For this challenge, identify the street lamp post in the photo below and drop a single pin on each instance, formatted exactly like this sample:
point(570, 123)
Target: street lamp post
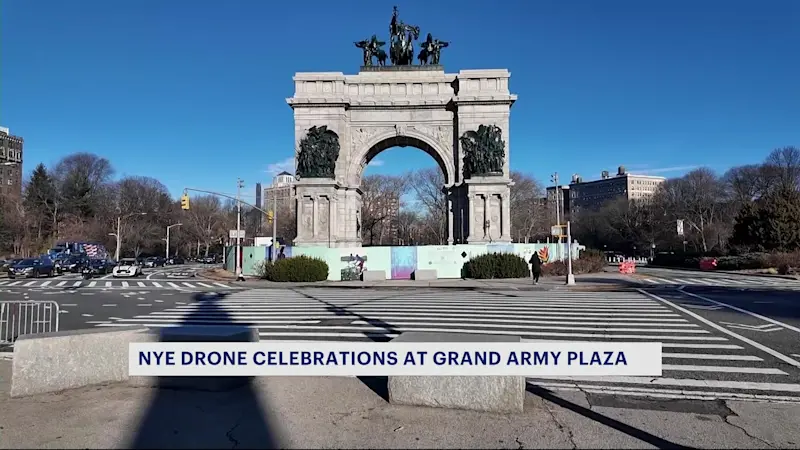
point(118, 234)
point(168, 228)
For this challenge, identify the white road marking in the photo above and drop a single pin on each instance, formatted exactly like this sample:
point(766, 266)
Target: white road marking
point(173, 285)
point(3, 282)
point(728, 369)
point(92, 284)
point(188, 285)
point(86, 315)
point(755, 344)
point(221, 285)
point(159, 301)
point(109, 284)
point(689, 382)
point(63, 311)
point(750, 313)
point(703, 307)
point(110, 305)
point(61, 283)
point(45, 283)
point(711, 356)
point(78, 283)
point(205, 285)
point(141, 284)
point(156, 284)
point(98, 321)
point(651, 281)
point(124, 284)
point(30, 283)
point(766, 328)
point(14, 283)
point(144, 304)
point(69, 304)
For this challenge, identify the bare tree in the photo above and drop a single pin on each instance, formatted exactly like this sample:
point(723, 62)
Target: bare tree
point(528, 211)
point(81, 179)
point(380, 203)
point(783, 165)
point(205, 221)
point(699, 199)
point(148, 197)
point(430, 200)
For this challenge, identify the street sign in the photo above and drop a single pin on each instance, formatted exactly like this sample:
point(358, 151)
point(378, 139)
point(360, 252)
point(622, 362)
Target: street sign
point(556, 230)
point(679, 225)
point(232, 234)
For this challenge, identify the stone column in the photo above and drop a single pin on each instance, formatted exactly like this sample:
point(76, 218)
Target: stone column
point(314, 217)
point(471, 218)
point(449, 220)
point(487, 217)
point(333, 223)
point(505, 202)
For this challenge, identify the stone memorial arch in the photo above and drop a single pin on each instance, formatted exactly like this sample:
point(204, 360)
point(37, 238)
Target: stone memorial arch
point(344, 121)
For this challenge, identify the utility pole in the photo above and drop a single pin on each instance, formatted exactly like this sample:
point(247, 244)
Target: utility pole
point(168, 228)
point(570, 276)
point(274, 223)
point(238, 263)
point(554, 179)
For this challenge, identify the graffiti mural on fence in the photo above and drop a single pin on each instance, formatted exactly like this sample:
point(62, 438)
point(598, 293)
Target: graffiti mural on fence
point(404, 262)
point(544, 255)
point(354, 266)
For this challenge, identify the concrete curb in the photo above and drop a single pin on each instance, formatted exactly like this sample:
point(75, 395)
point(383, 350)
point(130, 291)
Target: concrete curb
point(727, 272)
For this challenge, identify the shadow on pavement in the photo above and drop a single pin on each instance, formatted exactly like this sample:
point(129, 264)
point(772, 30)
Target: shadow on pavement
point(209, 418)
point(774, 303)
point(634, 432)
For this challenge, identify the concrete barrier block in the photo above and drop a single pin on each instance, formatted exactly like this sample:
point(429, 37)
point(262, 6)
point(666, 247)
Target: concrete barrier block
point(51, 362)
point(373, 275)
point(424, 274)
point(192, 333)
point(478, 393)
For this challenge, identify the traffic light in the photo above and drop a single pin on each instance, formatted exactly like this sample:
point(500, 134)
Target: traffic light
point(185, 201)
point(270, 216)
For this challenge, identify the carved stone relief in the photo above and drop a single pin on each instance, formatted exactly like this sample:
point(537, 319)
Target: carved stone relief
point(441, 134)
point(308, 216)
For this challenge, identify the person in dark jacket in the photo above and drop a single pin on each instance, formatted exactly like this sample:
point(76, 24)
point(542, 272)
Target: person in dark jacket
point(536, 267)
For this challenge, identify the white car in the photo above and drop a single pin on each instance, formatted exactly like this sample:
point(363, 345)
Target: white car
point(127, 268)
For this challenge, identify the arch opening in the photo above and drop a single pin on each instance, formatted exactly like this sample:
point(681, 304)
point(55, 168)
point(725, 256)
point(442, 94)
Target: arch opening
point(403, 141)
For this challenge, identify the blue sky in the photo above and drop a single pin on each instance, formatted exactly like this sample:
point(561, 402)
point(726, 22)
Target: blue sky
point(192, 92)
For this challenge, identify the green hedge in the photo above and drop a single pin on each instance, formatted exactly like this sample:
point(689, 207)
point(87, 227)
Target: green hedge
point(749, 261)
point(295, 269)
point(590, 261)
point(496, 265)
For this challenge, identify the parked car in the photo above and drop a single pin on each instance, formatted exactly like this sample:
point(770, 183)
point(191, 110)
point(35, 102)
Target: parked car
point(155, 261)
point(32, 268)
point(100, 266)
point(175, 260)
point(74, 264)
point(127, 267)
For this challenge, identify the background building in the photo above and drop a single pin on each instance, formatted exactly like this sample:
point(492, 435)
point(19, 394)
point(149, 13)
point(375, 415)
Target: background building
point(280, 191)
point(581, 196)
point(10, 163)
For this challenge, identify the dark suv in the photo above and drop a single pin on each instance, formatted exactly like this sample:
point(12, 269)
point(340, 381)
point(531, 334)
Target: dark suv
point(32, 268)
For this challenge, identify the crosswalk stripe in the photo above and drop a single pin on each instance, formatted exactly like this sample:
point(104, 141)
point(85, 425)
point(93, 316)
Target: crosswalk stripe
point(91, 284)
point(29, 283)
point(711, 356)
point(109, 284)
point(61, 283)
point(141, 284)
point(205, 285)
point(173, 285)
point(3, 283)
point(728, 369)
point(189, 285)
point(78, 283)
point(689, 382)
point(124, 284)
point(651, 281)
point(45, 283)
point(220, 285)
point(158, 285)
point(321, 313)
point(14, 283)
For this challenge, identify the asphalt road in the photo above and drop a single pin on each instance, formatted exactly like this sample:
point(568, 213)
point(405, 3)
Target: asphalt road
point(703, 359)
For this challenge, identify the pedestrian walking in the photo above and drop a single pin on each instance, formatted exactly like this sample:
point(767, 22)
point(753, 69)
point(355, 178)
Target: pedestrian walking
point(536, 267)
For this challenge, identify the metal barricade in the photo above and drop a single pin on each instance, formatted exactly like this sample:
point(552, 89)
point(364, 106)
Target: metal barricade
point(18, 318)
